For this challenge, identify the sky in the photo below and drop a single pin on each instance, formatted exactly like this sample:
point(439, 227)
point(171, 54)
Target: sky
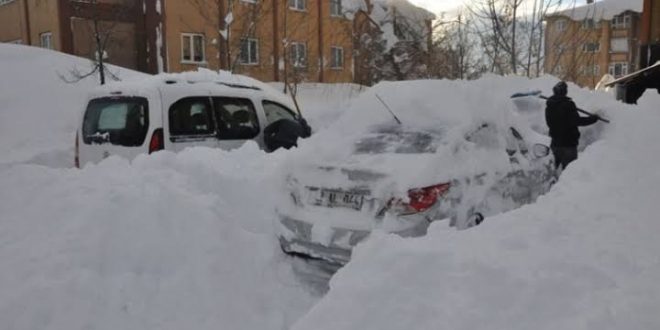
point(438, 6)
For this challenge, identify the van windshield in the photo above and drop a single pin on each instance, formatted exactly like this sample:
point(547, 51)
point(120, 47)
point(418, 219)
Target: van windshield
point(116, 120)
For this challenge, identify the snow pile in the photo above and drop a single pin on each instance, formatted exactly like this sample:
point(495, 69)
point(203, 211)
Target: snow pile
point(322, 104)
point(169, 241)
point(583, 257)
point(37, 108)
point(602, 10)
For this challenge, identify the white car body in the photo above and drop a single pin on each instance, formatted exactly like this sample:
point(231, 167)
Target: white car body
point(152, 102)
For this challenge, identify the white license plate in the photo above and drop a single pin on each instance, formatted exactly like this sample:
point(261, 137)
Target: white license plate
point(336, 198)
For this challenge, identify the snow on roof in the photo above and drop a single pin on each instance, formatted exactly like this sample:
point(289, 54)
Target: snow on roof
point(602, 10)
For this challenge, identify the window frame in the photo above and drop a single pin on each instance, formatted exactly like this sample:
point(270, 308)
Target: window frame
point(250, 42)
point(265, 102)
point(587, 45)
point(251, 105)
point(49, 37)
point(185, 137)
point(336, 8)
point(624, 68)
point(295, 56)
point(144, 130)
point(191, 46)
point(560, 25)
point(298, 5)
point(334, 64)
point(626, 42)
point(621, 22)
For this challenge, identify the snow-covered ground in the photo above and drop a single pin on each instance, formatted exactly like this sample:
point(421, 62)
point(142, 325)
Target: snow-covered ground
point(186, 240)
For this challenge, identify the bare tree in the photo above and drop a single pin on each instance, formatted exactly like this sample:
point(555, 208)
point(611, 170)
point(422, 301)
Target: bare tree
point(103, 33)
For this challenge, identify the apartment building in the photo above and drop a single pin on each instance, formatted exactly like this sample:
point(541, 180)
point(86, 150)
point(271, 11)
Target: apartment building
point(583, 44)
point(650, 34)
point(271, 40)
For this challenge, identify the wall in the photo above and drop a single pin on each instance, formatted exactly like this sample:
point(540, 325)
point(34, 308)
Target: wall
point(44, 17)
point(12, 22)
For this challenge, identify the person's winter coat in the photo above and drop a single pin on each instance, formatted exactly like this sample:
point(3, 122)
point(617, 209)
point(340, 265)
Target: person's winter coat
point(563, 119)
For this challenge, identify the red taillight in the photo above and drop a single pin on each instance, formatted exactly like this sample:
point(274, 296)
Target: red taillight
point(76, 158)
point(421, 199)
point(156, 142)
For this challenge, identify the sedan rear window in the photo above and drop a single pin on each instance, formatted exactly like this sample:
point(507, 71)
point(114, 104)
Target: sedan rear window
point(399, 141)
point(116, 120)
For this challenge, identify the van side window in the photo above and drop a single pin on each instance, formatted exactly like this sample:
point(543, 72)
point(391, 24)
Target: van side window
point(116, 120)
point(191, 116)
point(236, 117)
point(275, 112)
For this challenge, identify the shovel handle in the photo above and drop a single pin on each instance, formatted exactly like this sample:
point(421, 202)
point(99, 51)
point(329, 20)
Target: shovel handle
point(583, 111)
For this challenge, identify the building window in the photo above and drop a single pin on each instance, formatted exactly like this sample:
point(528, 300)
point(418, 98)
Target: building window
point(192, 48)
point(619, 45)
point(589, 23)
point(591, 47)
point(560, 25)
point(591, 70)
point(618, 69)
point(4, 2)
point(335, 8)
point(298, 54)
point(46, 40)
point(298, 4)
point(621, 21)
point(249, 51)
point(337, 58)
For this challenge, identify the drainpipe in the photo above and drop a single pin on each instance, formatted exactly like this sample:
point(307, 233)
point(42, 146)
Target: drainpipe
point(276, 41)
point(321, 59)
point(27, 22)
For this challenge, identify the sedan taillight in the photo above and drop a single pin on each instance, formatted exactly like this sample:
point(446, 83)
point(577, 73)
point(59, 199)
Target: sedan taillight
point(420, 199)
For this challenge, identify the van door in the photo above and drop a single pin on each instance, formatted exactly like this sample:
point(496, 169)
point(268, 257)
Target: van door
point(237, 121)
point(114, 125)
point(191, 122)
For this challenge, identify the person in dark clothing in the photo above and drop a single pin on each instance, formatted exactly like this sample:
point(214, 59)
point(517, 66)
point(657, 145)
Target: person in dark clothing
point(563, 119)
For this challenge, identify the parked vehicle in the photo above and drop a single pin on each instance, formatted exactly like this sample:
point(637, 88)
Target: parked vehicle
point(135, 118)
point(400, 178)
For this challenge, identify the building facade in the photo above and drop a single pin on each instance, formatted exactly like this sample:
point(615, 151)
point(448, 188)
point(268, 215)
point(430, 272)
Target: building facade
point(583, 44)
point(650, 34)
point(270, 40)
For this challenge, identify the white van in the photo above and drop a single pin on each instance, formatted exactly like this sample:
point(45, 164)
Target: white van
point(135, 118)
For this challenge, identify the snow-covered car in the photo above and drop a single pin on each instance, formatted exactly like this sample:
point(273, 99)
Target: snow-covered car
point(400, 178)
point(170, 113)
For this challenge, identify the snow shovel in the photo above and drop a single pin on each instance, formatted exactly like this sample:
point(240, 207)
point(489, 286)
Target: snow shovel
point(538, 94)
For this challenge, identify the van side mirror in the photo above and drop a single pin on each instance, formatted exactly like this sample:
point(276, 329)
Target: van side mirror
point(283, 133)
point(540, 150)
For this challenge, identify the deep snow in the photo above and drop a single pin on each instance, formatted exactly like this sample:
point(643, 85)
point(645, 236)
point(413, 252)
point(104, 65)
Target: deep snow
point(186, 240)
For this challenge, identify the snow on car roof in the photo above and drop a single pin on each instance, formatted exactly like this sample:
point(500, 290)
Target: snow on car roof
point(222, 82)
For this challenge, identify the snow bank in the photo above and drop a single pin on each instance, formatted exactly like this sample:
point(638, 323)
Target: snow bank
point(37, 108)
point(322, 104)
point(583, 257)
point(169, 241)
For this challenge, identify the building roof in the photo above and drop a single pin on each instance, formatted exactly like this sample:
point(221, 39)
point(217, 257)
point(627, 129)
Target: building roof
point(602, 10)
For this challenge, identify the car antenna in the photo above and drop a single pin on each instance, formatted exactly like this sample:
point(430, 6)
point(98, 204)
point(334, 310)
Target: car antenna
point(388, 109)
